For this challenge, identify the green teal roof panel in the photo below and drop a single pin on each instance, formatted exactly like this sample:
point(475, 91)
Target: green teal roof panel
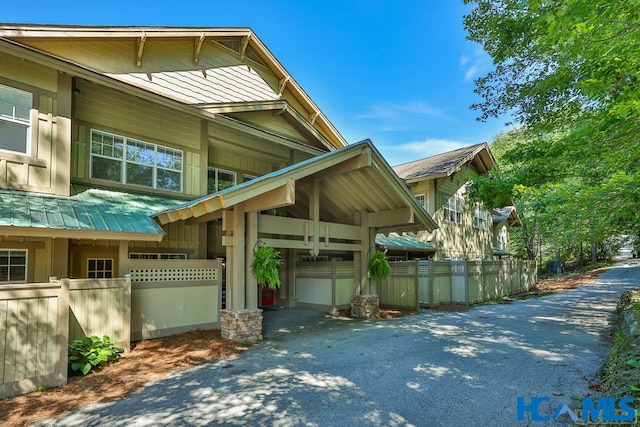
point(498, 251)
point(395, 241)
point(90, 210)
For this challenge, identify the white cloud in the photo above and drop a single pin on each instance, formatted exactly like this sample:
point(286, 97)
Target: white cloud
point(472, 71)
point(428, 147)
point(401, 117)
point(463, 60)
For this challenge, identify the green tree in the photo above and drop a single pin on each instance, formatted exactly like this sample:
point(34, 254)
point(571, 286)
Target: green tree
point(568, 71)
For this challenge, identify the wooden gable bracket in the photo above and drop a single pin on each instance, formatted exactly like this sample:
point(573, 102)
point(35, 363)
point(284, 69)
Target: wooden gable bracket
point(197, 46)
point(243, 47)
point(140, 49)
point(283, 85)
point(314, 116)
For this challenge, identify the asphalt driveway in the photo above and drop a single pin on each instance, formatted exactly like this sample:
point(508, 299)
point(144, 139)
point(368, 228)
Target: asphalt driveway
point(433, 369)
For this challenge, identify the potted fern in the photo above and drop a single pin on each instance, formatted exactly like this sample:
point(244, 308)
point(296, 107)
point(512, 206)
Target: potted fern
point(265, 266)
point(379, 267)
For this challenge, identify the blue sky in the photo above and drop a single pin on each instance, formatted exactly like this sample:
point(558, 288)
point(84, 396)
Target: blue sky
point(398, 72)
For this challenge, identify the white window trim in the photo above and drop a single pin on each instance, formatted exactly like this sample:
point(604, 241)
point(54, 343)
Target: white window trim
point(26, 265)
point(453, 205)
point(25, 123)
point(480, 215)
point(217, 171)
point(124, 161)
point(425, 202)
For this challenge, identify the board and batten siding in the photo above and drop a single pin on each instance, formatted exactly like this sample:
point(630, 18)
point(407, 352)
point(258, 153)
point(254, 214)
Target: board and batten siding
point(122, 114)
point(45, 170)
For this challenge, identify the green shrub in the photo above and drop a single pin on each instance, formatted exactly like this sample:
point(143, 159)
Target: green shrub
point(92, 352)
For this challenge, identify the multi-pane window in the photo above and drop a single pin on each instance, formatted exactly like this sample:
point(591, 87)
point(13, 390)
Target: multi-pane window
point(157, 256)
point(453, 210)
point(480, 217)
point(13, 266)
point(15, 122)
point(422, 200)
point(219, 179)
point(100, 268)
point(130, 161)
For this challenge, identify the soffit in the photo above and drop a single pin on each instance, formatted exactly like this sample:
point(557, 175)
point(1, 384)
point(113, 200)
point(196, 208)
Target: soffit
point(351, 179)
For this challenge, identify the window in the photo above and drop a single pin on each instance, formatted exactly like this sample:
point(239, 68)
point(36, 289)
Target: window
point(453, 210)
point(480, 217)
point(13, 266)
point(219, 179)
point(129, 161)
point(422, 200)
point(246, 177)
point(98, 268)
point(157, 256)
point(15, 122)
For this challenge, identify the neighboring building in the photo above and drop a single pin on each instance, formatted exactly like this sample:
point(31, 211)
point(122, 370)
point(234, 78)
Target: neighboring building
point(128, 143)
point(466, 230)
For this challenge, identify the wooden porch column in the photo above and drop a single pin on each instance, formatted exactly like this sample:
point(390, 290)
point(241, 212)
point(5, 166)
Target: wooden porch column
point(123, 257)
point(251, 288)
point(236, 286)
point(361, 259)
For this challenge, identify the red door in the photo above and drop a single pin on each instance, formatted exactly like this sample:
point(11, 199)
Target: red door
point(267, 297)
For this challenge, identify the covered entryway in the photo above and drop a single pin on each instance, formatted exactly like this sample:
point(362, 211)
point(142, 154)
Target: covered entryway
point(332, 205)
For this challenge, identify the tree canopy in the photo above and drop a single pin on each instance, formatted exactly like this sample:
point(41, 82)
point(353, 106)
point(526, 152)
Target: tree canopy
point(568, 73)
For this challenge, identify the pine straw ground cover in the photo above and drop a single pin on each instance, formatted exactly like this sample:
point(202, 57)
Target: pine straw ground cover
point(152, 360)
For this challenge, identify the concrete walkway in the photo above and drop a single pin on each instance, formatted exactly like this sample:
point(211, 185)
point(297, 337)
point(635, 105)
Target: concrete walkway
point(433, 369)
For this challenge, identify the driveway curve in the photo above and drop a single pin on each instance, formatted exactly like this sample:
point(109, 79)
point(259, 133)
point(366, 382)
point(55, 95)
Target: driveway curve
point(433, 369)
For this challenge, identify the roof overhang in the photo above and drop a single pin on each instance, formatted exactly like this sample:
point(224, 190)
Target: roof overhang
point(141, 35)
point(391, 207)
point(403, 242)
point(66, 233)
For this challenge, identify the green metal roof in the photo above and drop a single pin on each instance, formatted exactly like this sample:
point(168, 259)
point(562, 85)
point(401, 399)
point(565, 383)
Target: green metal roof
point(395, 241)
point(90, 210)
point(498, 251)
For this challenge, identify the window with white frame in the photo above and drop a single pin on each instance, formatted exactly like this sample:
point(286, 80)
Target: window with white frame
point(480, 217)
point(219, 179)
point(422, 200)
point(247, 177)
point(15, 121)
point(100, 268)
point(453, 210)
point(130, 161)
point(503, 236)
point(13, 266)
point(157, 256)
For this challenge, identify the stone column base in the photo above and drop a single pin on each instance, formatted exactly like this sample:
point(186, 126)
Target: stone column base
point(241, 325)
point(365, 306)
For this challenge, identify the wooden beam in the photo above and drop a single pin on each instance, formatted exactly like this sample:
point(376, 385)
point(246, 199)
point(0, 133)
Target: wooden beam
point(360, 161)
point(299, 244)
point(140, 49)
point(283, 84)
point(295, 227)
point(314, 215)
point(197, 46)
point(237, 285)
point(213, 216)
point(251, 284)
point(276, 198)
point(390, 218)
point(245, 44)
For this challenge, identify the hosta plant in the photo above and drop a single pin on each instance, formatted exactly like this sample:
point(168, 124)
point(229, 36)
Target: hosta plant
point(88, 353)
